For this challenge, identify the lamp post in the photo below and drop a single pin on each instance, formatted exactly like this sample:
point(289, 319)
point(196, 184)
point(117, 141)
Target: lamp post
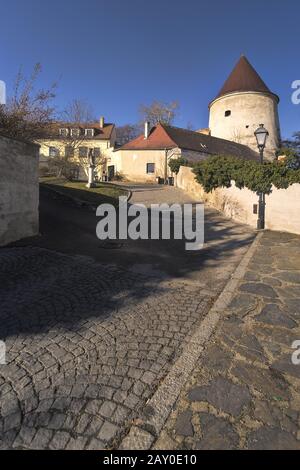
point(261, 135)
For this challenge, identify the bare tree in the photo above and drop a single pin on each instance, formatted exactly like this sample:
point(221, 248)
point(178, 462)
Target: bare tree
point(190, 126)
point(159, 112)
point(126, 133)
point(29, 112)
point(75, 118)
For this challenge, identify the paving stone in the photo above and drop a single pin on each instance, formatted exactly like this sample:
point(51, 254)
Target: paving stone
point(223, 394)
point(108, 432)
point(273, 315)
point(83, 422)
point(59, 440)
point(259, 288)
point(285, 365)
point(57, 421)
point(25, 436)
point(41, 439)
point(263, 412)
point(96, 444)
point(106, 410)
point(216, 358)
point(184, 425)
point(249, 347)
point(242, 301)
point(12, 421)
point(267, 438)
point(93, 426)
point(77, 443)
point(218, 434)
point(289, 276)
point(137, 439)
point(263, 380)
point(148, 377)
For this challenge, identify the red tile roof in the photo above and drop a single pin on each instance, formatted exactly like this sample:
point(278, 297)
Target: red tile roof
point(165, 137)
point(158, 139)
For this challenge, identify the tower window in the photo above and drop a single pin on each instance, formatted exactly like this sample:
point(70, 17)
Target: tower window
point(247, 127)
point(227, 113)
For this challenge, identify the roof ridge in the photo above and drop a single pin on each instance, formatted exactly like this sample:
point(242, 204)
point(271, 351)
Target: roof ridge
point(242, 78)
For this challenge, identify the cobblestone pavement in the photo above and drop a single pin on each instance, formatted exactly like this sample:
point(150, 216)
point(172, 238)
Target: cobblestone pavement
point(245, 390)
point(86, 345)
point(88, 342)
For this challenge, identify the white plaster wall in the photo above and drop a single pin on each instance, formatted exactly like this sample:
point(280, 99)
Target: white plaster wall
point(19, 190)
point(132, 164)
point(282, 205)
point(247, 109)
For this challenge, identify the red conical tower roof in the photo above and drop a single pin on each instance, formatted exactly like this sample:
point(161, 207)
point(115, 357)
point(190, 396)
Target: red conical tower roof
point(243, 78)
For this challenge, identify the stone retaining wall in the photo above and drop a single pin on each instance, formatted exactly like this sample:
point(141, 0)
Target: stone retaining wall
point(19, 190)
point(282, 205)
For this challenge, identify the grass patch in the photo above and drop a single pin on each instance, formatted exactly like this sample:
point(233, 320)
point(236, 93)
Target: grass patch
point(102, 192)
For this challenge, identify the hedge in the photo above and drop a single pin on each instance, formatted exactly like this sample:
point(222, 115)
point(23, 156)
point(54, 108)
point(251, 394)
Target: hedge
point(219, 171)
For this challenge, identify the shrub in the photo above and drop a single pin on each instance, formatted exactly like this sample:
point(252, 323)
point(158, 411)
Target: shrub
point(218, 171)
point(176, 163)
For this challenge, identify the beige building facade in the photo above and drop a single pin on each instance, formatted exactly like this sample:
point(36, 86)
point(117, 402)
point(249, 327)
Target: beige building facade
point(74, 141)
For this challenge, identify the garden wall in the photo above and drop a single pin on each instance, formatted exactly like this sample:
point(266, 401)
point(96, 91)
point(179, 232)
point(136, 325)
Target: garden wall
point(19, 190)
point(282, 205)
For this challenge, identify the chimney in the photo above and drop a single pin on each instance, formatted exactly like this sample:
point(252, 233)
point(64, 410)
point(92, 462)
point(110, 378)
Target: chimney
point(101, 122)
point(147, 130)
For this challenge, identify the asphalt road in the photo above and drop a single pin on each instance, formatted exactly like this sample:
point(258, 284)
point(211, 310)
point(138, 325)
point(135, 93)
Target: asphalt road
point(70, 229)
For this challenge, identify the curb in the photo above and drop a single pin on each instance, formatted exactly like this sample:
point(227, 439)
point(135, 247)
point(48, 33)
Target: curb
point(79, 202)
point(157, 410)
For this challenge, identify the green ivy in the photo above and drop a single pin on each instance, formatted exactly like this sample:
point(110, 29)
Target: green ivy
point(218, 171)
point(176, 163)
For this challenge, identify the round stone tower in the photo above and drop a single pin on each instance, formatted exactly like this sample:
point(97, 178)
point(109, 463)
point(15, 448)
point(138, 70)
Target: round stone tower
point(242, 105)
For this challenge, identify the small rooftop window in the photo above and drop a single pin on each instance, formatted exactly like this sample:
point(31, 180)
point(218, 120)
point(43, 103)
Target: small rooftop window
point(75, 132)
point(89, 132)
point(63, 132)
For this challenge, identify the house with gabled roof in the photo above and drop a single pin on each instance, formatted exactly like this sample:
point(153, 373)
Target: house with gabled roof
point(146, 158)
point(73, 140)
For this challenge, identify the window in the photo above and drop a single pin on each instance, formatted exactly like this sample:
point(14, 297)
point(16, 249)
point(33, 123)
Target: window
point(75, 132)
point(69, 151)
point(89, 132)
point(83, 152)
point(227, 113)
point(63, 132)
point(53, 152)
point(150, 167)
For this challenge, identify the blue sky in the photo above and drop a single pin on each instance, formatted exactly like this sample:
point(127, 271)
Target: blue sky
point(117, 54)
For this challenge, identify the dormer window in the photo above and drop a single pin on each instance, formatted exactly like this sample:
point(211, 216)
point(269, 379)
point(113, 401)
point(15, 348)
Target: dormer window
point(75, 132)
point(89, 132)
point(63, 132)
point(227, 113)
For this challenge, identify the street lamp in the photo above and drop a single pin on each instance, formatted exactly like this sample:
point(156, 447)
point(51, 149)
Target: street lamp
point(261, 135)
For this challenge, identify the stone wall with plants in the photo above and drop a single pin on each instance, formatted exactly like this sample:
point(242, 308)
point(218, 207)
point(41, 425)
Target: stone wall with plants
point(231, 185)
